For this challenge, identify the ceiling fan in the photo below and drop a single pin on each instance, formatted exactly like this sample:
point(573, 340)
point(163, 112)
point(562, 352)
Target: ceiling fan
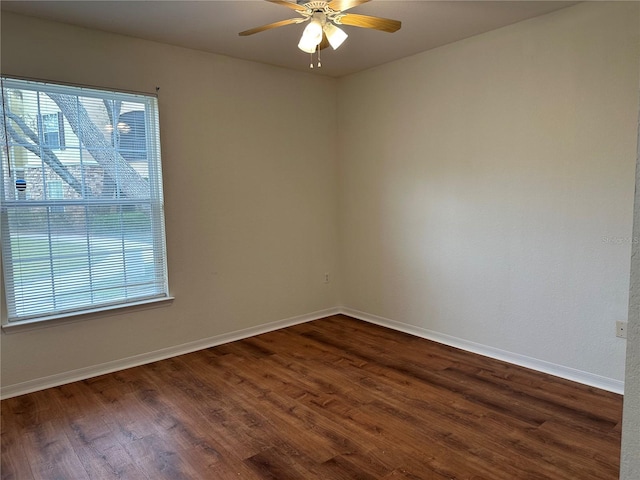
point(323, 17)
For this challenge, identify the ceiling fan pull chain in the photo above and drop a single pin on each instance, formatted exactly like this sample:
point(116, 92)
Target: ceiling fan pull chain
point(311, 62)
point(319, 62)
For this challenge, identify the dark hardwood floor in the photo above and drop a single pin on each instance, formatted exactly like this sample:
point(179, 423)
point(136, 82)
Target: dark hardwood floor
point(331, 399)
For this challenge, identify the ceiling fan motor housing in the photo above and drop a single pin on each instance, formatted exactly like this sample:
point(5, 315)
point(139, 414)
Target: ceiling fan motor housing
point(314, 4)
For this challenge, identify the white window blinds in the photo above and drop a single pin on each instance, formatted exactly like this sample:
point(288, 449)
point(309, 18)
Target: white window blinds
point(82, 222)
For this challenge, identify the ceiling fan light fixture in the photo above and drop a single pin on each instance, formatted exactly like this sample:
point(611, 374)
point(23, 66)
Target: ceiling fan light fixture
point(306, 45)
point(335, 35)
point(323, 17)
point(311, 36)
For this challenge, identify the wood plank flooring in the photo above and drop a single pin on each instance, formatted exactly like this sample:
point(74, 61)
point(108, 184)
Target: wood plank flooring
point(331, 399)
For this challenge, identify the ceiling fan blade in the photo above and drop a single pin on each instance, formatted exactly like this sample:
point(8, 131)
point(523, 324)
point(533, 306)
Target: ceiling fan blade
point(292, 5)
point(342, 5)
point(281, 23)
point(365, 21)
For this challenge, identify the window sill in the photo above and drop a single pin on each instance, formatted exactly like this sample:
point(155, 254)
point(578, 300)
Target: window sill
point(55, 320)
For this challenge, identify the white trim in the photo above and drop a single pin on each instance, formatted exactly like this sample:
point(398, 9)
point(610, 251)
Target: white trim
point(85, 87)
point(149, 357)
point(561, 371)
point(72, 317)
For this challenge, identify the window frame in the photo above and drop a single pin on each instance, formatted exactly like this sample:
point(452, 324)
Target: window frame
point(59, 131)
point(155, 203)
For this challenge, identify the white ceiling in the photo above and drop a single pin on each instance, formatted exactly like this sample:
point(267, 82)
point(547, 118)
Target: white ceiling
point(213, 26)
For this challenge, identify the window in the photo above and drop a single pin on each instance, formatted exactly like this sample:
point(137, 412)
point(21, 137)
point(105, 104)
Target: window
point(82, 227)
point(55, 192)
point(52, 126)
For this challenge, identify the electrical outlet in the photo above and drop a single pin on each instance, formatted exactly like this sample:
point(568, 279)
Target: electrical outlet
point(621, 329)
point(326, 277)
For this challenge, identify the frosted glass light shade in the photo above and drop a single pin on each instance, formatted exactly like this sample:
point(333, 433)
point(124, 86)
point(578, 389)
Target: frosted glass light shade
point(311, 37)
point(335, 35)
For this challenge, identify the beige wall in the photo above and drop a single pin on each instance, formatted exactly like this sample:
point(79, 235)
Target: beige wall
point(484, 191)
point(486, 187)
point(250, 202)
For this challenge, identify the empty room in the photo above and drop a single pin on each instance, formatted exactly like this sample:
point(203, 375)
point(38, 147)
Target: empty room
point(348, 239)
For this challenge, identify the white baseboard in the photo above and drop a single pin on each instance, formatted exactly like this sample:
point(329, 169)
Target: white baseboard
point(149, 357)
point(561, 371)
point(568, 373)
